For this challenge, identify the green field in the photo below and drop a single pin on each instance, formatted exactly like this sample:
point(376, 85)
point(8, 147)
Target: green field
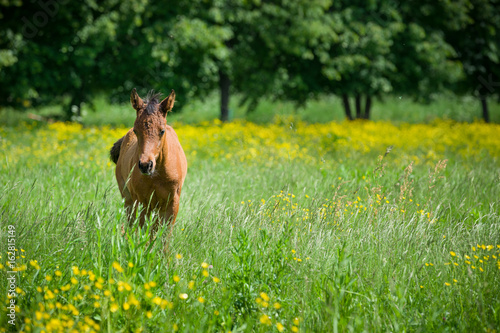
point(283, 226)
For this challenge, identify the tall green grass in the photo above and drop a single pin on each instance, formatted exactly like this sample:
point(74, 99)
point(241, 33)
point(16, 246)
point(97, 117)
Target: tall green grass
point(357, 246)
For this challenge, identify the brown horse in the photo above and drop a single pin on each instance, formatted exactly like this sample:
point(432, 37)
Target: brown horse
point(150, 163)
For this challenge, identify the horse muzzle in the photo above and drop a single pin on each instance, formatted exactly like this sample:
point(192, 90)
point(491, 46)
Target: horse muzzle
point(146, 168)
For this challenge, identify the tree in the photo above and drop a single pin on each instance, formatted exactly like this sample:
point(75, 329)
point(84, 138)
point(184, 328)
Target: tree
point(67, 49)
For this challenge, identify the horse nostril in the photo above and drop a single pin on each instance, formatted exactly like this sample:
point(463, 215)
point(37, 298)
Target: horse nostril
point(145, 167)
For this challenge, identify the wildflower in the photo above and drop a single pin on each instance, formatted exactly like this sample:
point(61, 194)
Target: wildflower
point(204, 265)
point(280, 327)
point(58, 273)
point(277, 306)
point(201, 299)
point(176, 278)
point(205, 273)
point(453, 254)
point(117, 266)
point(176, 327)
point(178, 256)
point(265, 320)
point(149, 314)
point(216, 279)
point(296, 321)
point(114, 307)
point(130, 264)
point(295, 329)
point(447, 284)
point(264, 296)
point(126, 306)
point(183, 296)
point(216, 312)
point(48, 278)
point(191, 284)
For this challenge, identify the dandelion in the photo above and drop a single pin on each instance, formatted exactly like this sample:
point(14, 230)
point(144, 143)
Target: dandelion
point(216, 312)
point(204, 265)
point(130, 264)
point(265, 320)
point(191, 284)
point(114, 307)
point(178, 256)
point(295, 329)
point(183, 296)
point(176, 278)
point(453, 254)
point(280, 327)
point(205, 273)
point(264, 296)
point(201, 300)
point(48, 278)
point(149, 314)
point(296, 321)
point(58, 273)
point(126, 306)
point(277, 306)
point(216, 279)
point(175, 327)
point(117, 266)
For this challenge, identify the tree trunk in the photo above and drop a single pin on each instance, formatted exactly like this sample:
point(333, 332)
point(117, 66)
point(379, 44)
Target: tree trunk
point(224, 84)
point(368, 106)
point(358, 106)
point(484, 106)
point(347, 107)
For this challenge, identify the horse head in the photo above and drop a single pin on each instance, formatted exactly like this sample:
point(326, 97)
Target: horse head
point(149, 127)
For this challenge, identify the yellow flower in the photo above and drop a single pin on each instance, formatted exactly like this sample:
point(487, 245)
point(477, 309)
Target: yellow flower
point(216, 312)
point(295, 329)
point(205, 273)
point(216, 279)
point(453, 254)
point(280, 327)
point(130, 264)
point(191, 284)
point(447, 284)
point(296, 321)
point(201, 299)
point(149, 314)
point(96, 304)
point(277, 306)
point(204, 265)
point(178, 256)
point(175, 327)
point(58, 273)
point(114, 307)
point(126, 306)
point(48, 278)
point(265, 320)
point(117, 266)
point(176, 278)
point(264, 296)
point(183, 296)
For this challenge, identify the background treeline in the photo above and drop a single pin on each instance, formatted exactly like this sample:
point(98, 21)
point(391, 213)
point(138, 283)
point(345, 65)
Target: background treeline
point(66, 52)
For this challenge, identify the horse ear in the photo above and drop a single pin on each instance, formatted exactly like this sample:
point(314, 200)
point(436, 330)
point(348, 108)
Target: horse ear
point(135, 100)
point(168, 103)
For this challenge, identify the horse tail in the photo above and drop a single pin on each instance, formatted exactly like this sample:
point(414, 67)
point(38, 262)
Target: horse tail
point(114, 152)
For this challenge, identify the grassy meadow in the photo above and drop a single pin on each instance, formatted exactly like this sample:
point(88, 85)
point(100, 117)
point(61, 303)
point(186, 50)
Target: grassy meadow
point(284, 226)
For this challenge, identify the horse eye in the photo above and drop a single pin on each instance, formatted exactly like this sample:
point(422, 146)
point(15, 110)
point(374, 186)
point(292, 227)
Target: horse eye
point(135, 132)
point(162, 132)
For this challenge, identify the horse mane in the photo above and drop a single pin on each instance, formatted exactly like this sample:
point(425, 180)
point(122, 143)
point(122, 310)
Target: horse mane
point(151, 100)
